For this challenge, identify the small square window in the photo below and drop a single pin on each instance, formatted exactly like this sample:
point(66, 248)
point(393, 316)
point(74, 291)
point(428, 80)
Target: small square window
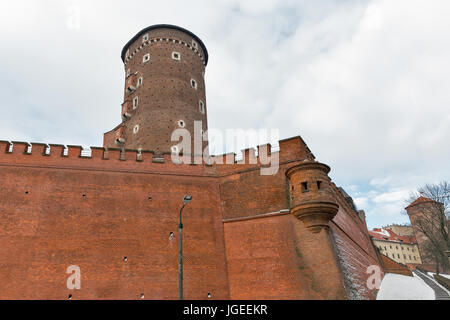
point(176, 56)
point(145, 37)
point(146, 58)
point(135, 102)
point(202, 107)
point(193, 84)
point(305, 187)
point(194, 44)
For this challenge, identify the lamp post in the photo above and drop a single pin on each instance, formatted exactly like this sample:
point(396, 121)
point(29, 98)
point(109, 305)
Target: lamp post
point(186, 200)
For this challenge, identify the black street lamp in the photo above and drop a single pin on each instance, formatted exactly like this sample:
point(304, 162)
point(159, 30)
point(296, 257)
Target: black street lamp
point(186, 200)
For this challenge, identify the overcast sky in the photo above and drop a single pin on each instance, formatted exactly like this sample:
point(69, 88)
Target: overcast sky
point(364, 82)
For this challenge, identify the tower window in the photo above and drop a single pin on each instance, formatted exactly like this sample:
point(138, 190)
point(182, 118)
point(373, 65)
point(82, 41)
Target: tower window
point(319, 185)
point(145, 37)
point(139, 82)
point(193, 84)
point(176, 56)
point(181, 124)
point(135, 102)
point(202, 107)
point(146, 58)
point(136, 129)
point(194, 44)
point(305, 187)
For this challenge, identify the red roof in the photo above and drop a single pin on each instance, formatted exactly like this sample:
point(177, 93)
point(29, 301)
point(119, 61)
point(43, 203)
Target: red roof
point(421, 199)
point(389, 235)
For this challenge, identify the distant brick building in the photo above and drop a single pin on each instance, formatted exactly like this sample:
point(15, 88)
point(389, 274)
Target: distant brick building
point(113, 211)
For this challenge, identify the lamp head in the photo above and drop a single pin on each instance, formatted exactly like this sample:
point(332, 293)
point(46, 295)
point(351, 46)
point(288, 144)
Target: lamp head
point(187, 199)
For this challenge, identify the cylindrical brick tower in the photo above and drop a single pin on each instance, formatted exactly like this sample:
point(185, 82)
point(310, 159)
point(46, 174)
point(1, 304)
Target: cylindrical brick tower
point(164, 89)
point(312, 199)
point(313, 203)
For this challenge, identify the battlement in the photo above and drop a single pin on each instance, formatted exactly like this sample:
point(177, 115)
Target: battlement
point(262, 157)
point(150, 40)
point(289, 150)
point(18, 153)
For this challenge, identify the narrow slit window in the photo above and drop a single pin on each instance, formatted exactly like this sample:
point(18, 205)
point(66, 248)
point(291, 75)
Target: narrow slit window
point(139, 82)
point(146, 58)
point(319, 185)
point(135, 102)
point(202, 107)
point(193, 84)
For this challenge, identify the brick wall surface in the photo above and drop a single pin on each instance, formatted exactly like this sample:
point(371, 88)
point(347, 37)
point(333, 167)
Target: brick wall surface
point(92, 212)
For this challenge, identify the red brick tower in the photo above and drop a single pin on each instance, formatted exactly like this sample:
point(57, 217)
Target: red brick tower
point(313, 203)
point(164, 89)
point(311, 198)
point(423, 211)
